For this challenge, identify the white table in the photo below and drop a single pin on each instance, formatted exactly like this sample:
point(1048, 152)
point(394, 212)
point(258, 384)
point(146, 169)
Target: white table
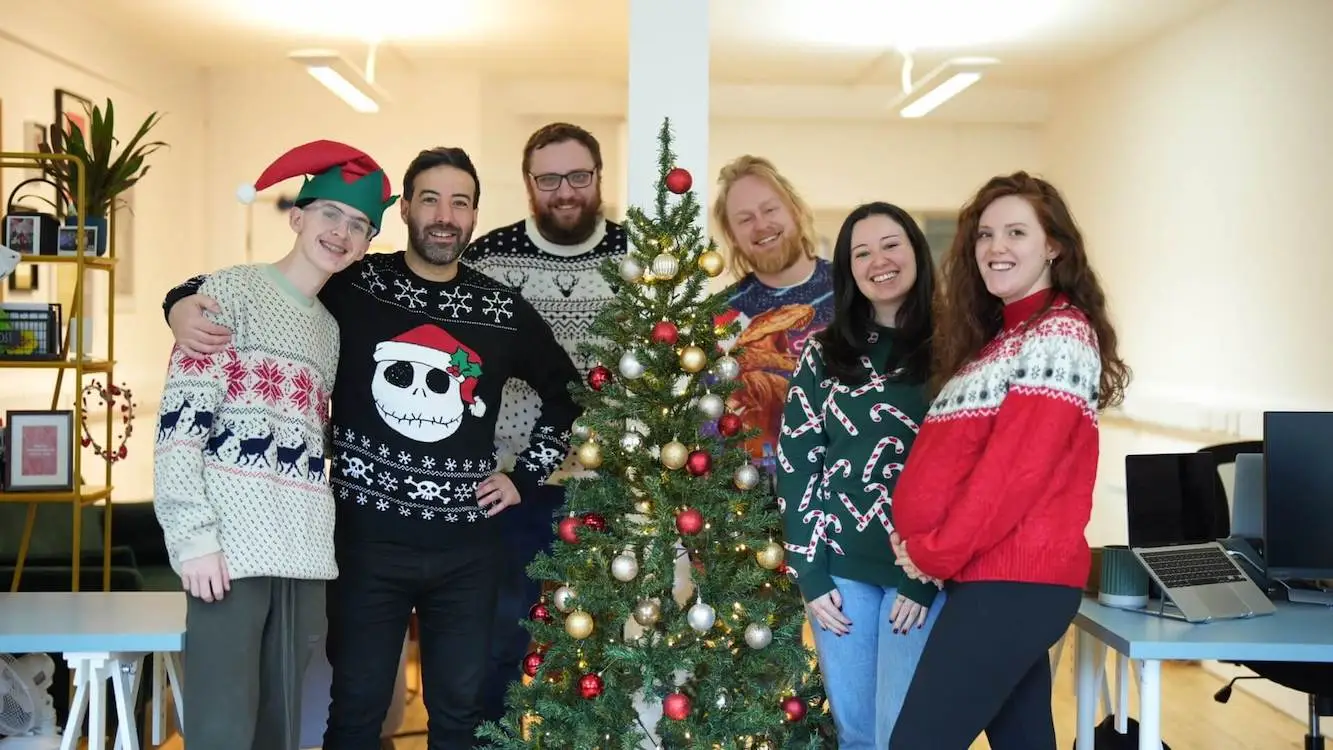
point(1296, 632)
point(103, 636)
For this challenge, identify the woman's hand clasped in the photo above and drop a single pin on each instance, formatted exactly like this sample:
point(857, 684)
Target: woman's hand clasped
point(827, 611)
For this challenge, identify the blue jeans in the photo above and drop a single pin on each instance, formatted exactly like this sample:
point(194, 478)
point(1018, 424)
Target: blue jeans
point(867, 672)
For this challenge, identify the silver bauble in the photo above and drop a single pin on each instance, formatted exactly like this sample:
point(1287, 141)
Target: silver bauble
point(757, 635)
point(747, 476)
point(727, 368)
point(630, 366)
point(647, 612)
point(624, 567)
point(631, 441)
point(563, 598)
point(711, 405)
point(665, 266)
point(631, 269)
point(580, 430)
point(701, 617)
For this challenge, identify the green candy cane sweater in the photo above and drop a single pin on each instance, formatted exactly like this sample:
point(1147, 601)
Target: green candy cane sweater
point(841, 450)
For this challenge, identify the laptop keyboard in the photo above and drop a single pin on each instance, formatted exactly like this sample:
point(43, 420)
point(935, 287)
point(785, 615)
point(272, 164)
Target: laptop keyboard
point(1192, 567)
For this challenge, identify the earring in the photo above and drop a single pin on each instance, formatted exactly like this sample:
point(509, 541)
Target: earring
point(1049, 261)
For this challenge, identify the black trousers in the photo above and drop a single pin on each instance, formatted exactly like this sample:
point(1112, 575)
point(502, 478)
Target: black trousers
point(986, 668)
point(378, 586)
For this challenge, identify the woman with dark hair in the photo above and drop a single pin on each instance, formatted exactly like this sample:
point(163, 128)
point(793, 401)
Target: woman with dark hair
point(998, 489)
point(850, 416)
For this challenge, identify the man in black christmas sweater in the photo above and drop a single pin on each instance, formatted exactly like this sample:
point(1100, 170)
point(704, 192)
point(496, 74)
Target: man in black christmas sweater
point(553, 259)
point(427, 347)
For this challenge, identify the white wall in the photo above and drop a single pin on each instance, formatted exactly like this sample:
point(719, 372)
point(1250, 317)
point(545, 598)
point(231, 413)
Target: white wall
point(1200, 168)
point(39, 52)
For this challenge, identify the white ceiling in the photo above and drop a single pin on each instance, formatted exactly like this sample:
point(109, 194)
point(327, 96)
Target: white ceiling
point(790, 42)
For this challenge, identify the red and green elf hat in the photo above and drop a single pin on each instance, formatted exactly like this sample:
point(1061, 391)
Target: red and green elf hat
point(333, 171)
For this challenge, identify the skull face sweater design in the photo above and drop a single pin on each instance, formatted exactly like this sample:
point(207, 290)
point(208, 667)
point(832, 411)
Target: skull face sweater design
point(239, 454)
point(999, 484)
point(838, 460)
point(420, 377)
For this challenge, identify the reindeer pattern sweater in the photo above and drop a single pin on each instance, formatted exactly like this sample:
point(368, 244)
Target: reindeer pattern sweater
point(239, 459)
point(998, 486)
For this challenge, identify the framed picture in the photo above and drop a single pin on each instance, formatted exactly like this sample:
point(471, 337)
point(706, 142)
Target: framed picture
point(39, 451)
point(68, 237)
point(23, 234)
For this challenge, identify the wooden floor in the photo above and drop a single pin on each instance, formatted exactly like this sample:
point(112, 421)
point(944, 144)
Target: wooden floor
point(1191, 719)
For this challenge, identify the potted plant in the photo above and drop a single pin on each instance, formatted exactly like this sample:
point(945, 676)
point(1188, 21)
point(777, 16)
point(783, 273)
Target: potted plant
point(106, 174)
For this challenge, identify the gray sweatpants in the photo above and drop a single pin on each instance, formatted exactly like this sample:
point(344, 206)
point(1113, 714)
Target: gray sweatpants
point(244, 660)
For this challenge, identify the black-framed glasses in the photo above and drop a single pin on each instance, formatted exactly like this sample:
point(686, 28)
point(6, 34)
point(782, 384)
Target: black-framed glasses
point(550, 182)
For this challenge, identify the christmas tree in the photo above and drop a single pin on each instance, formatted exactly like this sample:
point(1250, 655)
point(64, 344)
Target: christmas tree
point(671, 622)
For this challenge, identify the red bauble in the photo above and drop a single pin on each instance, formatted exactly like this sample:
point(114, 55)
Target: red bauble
point(540, 613)
point(590, 686)
point(664, 332)
point(678, 181)
point(569, 529)
point(599, 377)
point(531, 663)
point(689, 521)
point(729, 424)
point(794, 708)
point(594, 521)
point(676, 706)
point(699, 463)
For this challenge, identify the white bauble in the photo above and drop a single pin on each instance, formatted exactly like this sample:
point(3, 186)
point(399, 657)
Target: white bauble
point(701, 617)
point(747, 476)
point(711, 405)
point(630, 366)
point(624, 567)
point(563, 598)
point(631, 441)
point(758, 635)
point(665, 266)
point(727, 368)
point(631, 269)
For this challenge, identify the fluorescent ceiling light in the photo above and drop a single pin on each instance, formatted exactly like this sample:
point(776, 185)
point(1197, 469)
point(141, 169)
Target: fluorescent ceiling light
point(353, 86)
point(940, 85)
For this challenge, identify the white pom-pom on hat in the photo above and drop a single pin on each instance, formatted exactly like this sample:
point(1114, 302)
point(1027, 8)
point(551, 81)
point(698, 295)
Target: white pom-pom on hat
point(246, 193)
point(477, 407)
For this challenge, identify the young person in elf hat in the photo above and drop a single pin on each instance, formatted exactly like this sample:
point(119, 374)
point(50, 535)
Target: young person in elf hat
point(998, 490)
point(850, 419)
point(240, 490)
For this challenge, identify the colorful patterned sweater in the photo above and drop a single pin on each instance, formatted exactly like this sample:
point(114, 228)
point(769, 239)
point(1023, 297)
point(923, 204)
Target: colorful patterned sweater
point(421, 369)
point(565, 285)
point(999, 484)
point(841, 451)
point(239, 464)
point(775, 324)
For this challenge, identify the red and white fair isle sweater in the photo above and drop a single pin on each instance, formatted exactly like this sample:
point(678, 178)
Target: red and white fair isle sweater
point(998, 486)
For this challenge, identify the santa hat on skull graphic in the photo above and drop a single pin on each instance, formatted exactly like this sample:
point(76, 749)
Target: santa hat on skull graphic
point(435, 347)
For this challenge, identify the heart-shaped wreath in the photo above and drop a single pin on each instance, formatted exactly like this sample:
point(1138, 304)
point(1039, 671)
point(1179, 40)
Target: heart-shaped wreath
point(116, 395)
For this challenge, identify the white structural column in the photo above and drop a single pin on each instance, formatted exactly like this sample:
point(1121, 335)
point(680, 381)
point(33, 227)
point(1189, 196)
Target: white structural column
point(668, 77)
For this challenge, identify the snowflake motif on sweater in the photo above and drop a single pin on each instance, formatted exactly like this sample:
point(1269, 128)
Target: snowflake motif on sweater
point(565, 285)
point(240, 448)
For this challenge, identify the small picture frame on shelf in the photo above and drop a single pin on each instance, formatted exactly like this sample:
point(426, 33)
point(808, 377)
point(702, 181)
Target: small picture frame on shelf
point(68, 237)
point(39, 451)
point(23, 233)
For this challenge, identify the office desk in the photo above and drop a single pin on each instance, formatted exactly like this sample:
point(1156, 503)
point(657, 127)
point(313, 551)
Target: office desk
point(102, 635)
point(1296, 632)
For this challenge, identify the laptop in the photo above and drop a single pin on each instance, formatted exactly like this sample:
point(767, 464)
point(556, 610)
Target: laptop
point(1175, 518)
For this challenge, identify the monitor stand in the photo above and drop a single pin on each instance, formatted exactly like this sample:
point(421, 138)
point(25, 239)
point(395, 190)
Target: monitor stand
point(1307, 592)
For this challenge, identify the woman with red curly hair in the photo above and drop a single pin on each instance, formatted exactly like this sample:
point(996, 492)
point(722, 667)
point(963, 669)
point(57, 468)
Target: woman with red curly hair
point(998, 487)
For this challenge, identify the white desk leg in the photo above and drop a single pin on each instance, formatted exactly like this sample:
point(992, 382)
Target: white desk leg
point(124, 671)
point(78, 707)
point(173, 661)
point(1085, 677)
point(159, 711)
point(92, 669)
point(1122, 680)
point(1150, 705)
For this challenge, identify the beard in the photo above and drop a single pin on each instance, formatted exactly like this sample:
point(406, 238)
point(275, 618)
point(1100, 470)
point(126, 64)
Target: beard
point(436, 252)
point(571, 231)
point(779, 259)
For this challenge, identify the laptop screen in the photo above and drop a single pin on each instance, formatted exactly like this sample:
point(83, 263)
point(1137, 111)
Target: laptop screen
point(1171, 498)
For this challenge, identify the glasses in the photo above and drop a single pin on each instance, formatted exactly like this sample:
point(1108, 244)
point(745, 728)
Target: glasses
point(547, 183)
point(333, 217)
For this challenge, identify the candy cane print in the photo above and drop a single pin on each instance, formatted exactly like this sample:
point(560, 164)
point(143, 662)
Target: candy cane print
point(783, 462)
point(891, 469)
point(896, 412)
point(809, 493)
point(811, 417)
point(877, 509)
point(843, 464)
point(884, 442)
point(831, 407)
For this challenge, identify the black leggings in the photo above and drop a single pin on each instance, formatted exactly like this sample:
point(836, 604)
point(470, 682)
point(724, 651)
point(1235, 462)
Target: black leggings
point(986, 668)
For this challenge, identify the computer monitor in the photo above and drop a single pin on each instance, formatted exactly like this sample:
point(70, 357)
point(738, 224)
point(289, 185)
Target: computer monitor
point(1298, 494)
point(1171, 498)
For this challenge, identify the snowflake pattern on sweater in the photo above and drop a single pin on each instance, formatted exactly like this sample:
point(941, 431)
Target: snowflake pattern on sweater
point(240, 449)
point(565, 285)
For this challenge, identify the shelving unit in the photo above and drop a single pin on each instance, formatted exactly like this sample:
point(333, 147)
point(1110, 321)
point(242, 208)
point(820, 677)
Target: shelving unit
point(82, 494)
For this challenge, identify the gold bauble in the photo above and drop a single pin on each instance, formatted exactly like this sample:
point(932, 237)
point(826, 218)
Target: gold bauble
point(712, 263)
point(674, 455)
point(578, 624)
point(693, 359)
point(590, 455)
point(769, 556)
point(647, 612)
